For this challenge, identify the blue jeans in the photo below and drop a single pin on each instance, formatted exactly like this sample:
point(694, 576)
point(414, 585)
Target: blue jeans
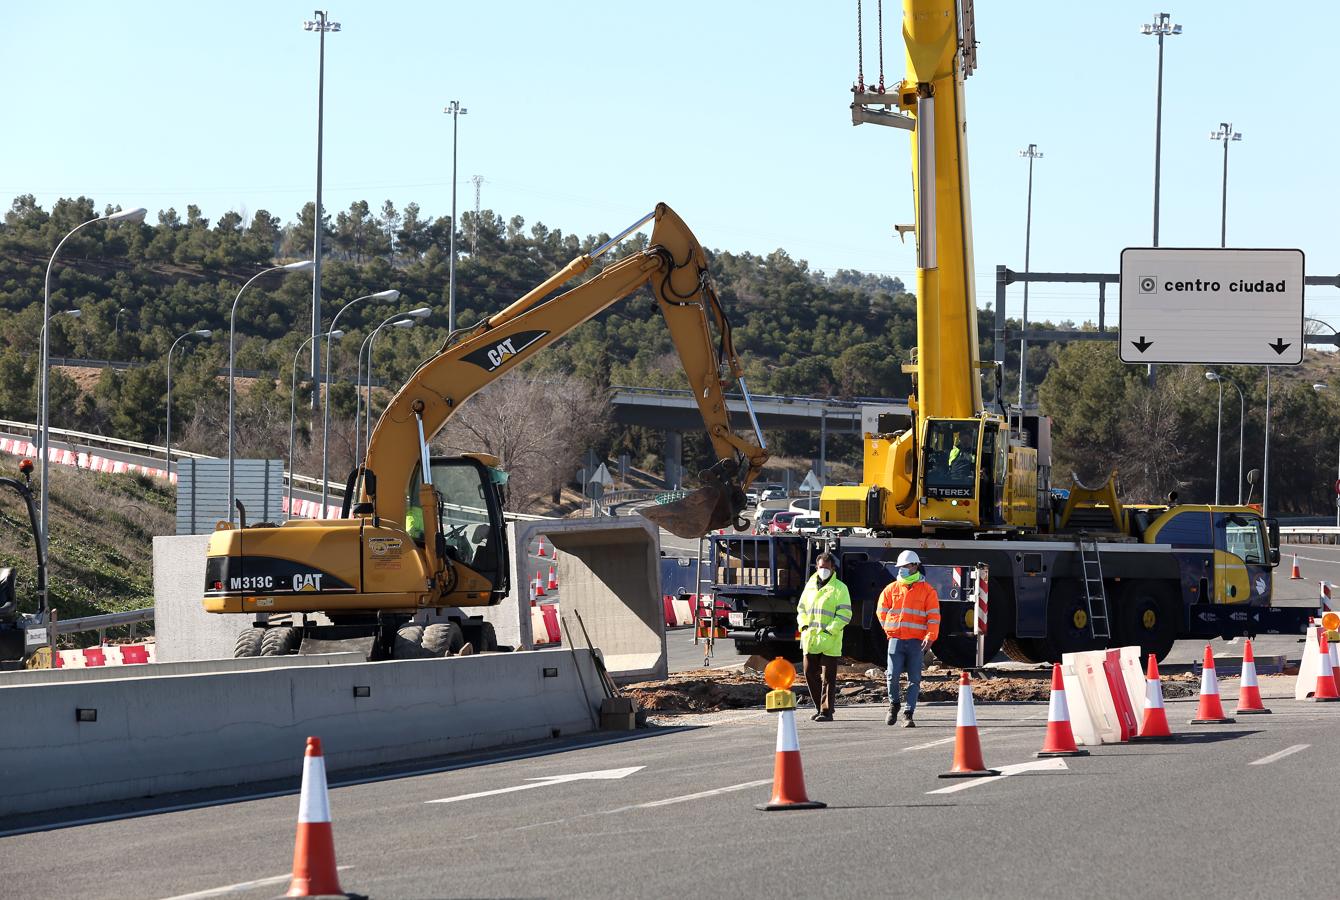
point(905, 655)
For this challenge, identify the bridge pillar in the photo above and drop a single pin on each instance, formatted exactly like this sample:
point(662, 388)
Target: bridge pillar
point(674, 459)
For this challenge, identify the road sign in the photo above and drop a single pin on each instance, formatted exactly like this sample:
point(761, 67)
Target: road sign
point(811, 483)
point(602, 477)
point(1211, 306)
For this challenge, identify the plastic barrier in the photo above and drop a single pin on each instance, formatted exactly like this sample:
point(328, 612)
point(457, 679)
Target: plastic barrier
point(1093, 711)
point(1306, 683)
point(1121, 698)
point(538, 629)
point(1133, 673)
point(683, 611)
point(109, 655)
point(668, 607)
point(550, 613)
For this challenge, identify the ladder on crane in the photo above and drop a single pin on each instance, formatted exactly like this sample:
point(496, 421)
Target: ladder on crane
point(1095, 596)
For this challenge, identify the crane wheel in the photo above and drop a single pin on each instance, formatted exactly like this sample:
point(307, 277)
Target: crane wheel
point(1025, 650)
point(249, 643)
point(409, 643)
point(443, 639)
point(280, 641)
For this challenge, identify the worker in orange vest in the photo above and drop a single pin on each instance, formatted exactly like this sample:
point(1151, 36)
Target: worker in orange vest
point(909, 612)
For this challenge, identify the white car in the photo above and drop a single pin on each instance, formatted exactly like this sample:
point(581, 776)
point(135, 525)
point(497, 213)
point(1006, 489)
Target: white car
point(807, 525)
point(773, 494)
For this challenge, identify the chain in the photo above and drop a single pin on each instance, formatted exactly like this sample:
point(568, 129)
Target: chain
point(860, 51)
point(881, 45)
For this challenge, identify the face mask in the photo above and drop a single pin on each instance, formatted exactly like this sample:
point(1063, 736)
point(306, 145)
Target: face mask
point(824, 574)
point(904, 572)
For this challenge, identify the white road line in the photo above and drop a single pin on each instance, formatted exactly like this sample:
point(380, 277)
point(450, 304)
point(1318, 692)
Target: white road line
point(1041, 765)
point(948, 740)
point(1287, 751)
point(240, 887)
point(701, 794)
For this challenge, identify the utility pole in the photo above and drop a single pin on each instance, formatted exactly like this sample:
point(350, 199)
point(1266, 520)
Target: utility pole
point(474, 234)
point(455, 110)
point(1030, 154)
point(1160, 27)
point(1225, 134)
point(322, 24)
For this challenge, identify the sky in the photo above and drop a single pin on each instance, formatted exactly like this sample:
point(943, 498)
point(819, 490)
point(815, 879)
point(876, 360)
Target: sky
point(584, 116)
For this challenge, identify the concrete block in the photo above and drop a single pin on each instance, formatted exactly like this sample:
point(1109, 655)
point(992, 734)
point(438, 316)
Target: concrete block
point(182, 628)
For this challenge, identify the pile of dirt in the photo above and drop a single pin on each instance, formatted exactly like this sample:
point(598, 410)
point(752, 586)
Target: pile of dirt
point(712, 690)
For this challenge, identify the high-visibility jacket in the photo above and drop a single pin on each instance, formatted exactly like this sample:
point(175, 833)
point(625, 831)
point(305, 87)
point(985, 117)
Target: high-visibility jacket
point(908, 611)
point(822, 614)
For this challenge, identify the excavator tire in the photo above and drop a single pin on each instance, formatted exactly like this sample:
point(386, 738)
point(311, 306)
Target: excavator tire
point(443, 639)
point(1024, 650)
point(249, 643)
point(488, 639)
point(409, 643)
point(280, 641)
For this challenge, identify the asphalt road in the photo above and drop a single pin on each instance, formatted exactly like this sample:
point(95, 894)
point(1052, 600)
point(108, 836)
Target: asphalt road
point(1231, 810)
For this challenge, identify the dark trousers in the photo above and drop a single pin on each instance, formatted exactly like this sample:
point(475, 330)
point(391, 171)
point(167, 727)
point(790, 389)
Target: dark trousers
point(821, 676)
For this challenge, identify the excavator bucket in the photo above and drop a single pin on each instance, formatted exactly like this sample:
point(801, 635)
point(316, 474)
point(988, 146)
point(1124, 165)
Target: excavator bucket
point(715, 505)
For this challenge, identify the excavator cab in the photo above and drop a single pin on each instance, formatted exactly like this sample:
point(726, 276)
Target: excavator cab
point(471, 529)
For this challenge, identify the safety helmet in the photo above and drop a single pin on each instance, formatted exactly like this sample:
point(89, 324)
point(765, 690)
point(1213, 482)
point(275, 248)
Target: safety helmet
point(909, 557)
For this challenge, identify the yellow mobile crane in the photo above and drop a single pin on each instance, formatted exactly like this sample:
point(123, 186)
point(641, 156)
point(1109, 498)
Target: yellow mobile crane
point(429, 531)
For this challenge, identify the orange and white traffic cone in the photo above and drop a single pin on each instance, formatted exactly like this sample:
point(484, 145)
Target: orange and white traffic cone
point(967, 746)
point(543, 552)
point(1060, 740)
point(1295, 575)
point(1249, 694)
point(314, 872)
point(1154, 726)
point(1326, 691)
point(539, 585)
point(1324, 600)
point(788, 778)
point(1211, 711)
point(553, 579)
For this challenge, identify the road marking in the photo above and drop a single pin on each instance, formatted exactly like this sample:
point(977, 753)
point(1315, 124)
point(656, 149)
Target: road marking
point(1287, 751)
point(240, 887)
point(1040, 765)
point(948, 740)
point(547, 781)
point(701, 794)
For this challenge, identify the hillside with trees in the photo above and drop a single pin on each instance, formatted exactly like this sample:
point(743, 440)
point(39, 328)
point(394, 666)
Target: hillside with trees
point(844, 334)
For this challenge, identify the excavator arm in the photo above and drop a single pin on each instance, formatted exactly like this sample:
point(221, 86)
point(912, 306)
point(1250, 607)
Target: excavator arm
point(674, 266)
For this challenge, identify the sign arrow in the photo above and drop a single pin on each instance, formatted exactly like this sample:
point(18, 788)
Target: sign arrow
point(1279, 346)
point(546, 781)
point(1039, 765)
point(1142, 345)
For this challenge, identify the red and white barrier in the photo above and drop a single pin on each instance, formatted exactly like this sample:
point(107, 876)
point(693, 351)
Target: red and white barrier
point(109, 655)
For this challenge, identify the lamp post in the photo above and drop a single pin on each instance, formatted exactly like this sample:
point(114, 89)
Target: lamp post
point(293, 408)
point(125, 215)
point(321, 25)
point(455, 110)
point(1031, 153)
point(116, 331)
point(1242, 420)
point(167, 454)
point(302, 266)
point(1225, 134)
point(408, 322)
point(1160, 27)
point(325, 403)
point(1319, 388)
point(1265, 465)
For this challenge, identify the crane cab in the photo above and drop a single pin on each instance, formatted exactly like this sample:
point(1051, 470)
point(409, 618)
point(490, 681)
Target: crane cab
point(974, 476)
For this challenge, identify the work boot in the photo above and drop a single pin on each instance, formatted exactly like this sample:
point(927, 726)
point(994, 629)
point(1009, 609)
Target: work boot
point(824, 717)
point(907, 720)
point(893, 714)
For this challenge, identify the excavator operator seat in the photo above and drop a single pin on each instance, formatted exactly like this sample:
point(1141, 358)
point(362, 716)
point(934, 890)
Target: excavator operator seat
point(9, 604)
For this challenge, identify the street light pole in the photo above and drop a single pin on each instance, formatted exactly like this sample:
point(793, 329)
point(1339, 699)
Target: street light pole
point(1218, 432)
point(116, 332)
point(303, 266)
point(293, 409)
point(127, 215)
point(1225, 134)
point(1161, 27)
point(1030, 154)
point(420, 313)
point(325, 404)
point(167, 451)
point(1265, 467)
point(455, 110)
point(321, 25)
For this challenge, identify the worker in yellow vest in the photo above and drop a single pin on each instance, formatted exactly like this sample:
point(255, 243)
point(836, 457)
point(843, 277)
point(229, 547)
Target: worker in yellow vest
point(824, 610)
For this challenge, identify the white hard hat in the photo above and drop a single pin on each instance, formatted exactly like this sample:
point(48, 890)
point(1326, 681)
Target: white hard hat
point(909, 557)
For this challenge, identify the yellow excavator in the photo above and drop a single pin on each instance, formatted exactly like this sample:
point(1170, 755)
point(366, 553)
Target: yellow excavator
point(419, 531)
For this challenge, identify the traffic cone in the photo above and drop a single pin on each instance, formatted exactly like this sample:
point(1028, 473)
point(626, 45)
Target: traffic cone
point(539, 585)
point(542, 552)
point(967, 748)
point(1211, 711)
point(553, 579)
point(1324, 601)
point(1249, 695)
point(788, 778)
point(1060, 740)
point(1325, 676)
point(1154, 726)
point(314, 873)
point(1295, 575)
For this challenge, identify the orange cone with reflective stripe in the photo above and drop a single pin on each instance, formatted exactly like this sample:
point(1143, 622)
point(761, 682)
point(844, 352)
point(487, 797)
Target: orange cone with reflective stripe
point(788, 778)
point(1249, 694)
point(543, 552)
point(1325, 676)
point(539, 585)
point(1060, 740)
point(553, 579)
point(314, 873)
point(1295, 575)
point(1211, 711)
point(1154, 725)
point(967, 747)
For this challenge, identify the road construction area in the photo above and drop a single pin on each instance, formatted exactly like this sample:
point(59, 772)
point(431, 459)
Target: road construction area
point(671, 811)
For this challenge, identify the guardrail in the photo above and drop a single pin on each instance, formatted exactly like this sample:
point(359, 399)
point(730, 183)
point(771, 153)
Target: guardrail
point(1310, 534)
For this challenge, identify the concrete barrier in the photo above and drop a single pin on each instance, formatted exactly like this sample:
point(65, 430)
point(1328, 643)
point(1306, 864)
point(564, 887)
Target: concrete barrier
point(199, 667)
point(182, 628)
point(78, 742)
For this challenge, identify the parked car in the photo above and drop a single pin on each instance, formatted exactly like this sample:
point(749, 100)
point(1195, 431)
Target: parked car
point(781, 522)
point(773, 494)
point(808, 525)
point(751, 498)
